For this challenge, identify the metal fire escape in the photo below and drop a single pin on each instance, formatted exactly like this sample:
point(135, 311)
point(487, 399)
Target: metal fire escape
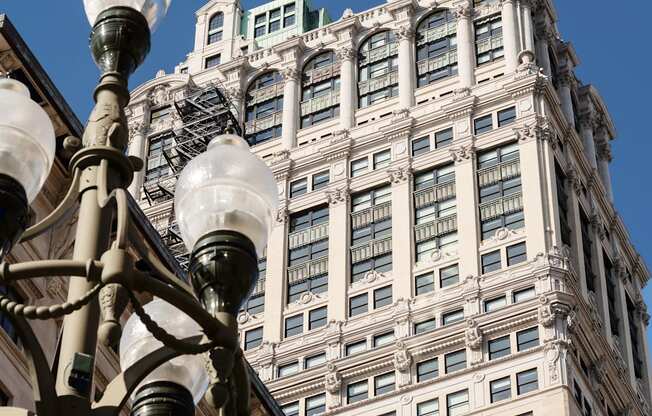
point(205, 112)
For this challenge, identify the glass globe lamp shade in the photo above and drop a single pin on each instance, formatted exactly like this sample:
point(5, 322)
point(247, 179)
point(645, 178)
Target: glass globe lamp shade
point(227, 188)
point(27, 143)
point(136, 342)
point(153, 10)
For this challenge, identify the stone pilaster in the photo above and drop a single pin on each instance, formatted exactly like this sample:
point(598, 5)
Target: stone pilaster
point(338, 259)
point(402, 246)
point(468, 227)
point(528, 25)
point(138, 147)
point(465, 45)
point(290, 105)
point(603, 152)
point(566, 81)
point(510, 35)
point(587, 124)
point(406, 69)
point(348, 100)
point(542, 47)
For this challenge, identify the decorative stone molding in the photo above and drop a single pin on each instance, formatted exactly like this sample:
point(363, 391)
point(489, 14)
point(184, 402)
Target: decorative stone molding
point(345, 53)
point(402, 359)
point(572, 177)
point(598, 225)
point(463, 12)
point(593, 309)
point(461, 93)
point(473, 335)
point(463, 153)
point(604, 151)
point(243, 317)
point(290, 73)
point(282, 215)
point(399, 174)
point(235, 93)
point(548, 311)
point(159, 95)
point(527, 66)
point(338, 196)
point(405, 32)
point(332, 379)
point(136, 128)
point(339, 146)
point(400, 114)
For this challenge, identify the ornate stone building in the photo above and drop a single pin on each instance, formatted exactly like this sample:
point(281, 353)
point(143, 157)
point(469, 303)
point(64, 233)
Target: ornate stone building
point(19, 63)
point(447, 242)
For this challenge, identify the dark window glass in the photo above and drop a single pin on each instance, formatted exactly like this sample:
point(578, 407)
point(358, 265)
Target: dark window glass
point(499, 347)
point(289, 20)
point(500, 389)
point(318, 318)
point(383, 339)
point(212, 61)
point(425, 283)
point(384, 384)
point(528, 338)
point(382, 297)
point(316, 405)
point(429, 408)
point(491, 262)
point(5, 322)
point(355, 347)
point(358, 305)
point(455, 361)
point(315, 285)
point(320, 180)
point(291, 409)
point(255, 304)
point(516, 254)
point(4, 398)
point(443, 138)
point(507, 116)
point(427, 370)
point(449, 276)
point(527, 381)
point(420, 146)
point(315, 360)
point(483, 124)
point(425, 326)
point(293, 325)
point(453, 317)
point(253, 338)
point(299, 187)
point(357, 392)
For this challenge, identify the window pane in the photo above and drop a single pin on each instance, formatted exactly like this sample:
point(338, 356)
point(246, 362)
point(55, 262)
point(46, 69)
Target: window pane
point(383, 339)
point(452, 317)
point(449, 276)
point(315, 360)
point(356, 347)
point(291, 409)
point(527, 381)
point(382, 159)
point(491, 262)
point(443, 138)
point(320, 180)
point(499, 347)
point(293, 325)
point(425, 326)
point(382, 297)
point(524, 294)
point(420, 146)
point(315, 405)
point(457, 403)
point(288, 369)
point(496, 303)
point(318, 318)
point(358, 305)
point(384, 384)
point(424, 283)
point(359, 166)
point(528, 338)
point(427, 370)
point(500, 389)
point(507, 116)
point(516, 254)
point(483, 124)
point(429, 408)
point(253, 338)
point(299, 187)
point(356, 392)
point(455, 361)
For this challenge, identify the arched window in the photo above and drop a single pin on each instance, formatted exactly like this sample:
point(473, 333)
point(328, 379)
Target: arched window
point(377, 69)
point(215, 26)
point(264, 101)
point(436, 47)
point(320, 95)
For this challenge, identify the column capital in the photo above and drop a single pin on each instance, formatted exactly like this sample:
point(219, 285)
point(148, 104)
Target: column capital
point(235, 93)
point(400, 174)
point(566, 78)
point(290, 73)
point(282, 215)
point(463, 11)
point(463, 153)
point(345, 53)
point(338, 196)
point(405, 32)
point(604, 151)
point(588, 120)
point(137, 127)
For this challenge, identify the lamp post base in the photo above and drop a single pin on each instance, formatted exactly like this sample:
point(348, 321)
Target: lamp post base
point(14, 213)
point(163, 398)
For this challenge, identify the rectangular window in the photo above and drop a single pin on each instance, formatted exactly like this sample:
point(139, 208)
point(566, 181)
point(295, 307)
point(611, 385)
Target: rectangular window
point(316, 405)
point(507, 116)
point(320, 180)
point(452, 317)
point(483, 124)
point(315, 360)
point(288, 369)
point(299, 187)
point(384, 384)
point(356, 347)
point(382, 159)
point(455, 361)
point(500, 389)
point(457, 403)
point(443, 138)
point(289, 20)
point(358, 305)
point(425, 326)
point(527, 381)
point(427, 370)
point(253, 338)
point(516, 254)
point(317, 318)
point(357, 392)
point(424, 283)
point(255, 304)
point(291, 409)
point(578, 392)
point(491, 262)
point(495, 303)
point(528, 338)
point(499, 347)
point(587, 408)
point(383, 339)
point(420, 146)
point(212, 61)
point(358, 167)
point(449, 276)
point(155, 116)
point(523, 295)
point(293, 325)
point(382, 297)
point(429, 408)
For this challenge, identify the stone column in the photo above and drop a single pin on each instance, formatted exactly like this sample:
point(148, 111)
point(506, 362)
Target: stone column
point(406, 67)
point(528, 25)
point(565, 83)
point(402, 246)
point(290, 106)
point(510, 35)
point(530, 152)
point(348, 87)
point(237, 100)
point(275, 279)
point(625, 342)
point(338, 249)
point(587, 122)
point(604, 158)
point(543, 55)
point(468, 227)
point(602, 302)
point(138, 147)
point(573, 187)
point(465, 46)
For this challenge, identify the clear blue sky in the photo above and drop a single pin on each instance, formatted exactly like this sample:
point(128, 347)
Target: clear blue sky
point(613, 52)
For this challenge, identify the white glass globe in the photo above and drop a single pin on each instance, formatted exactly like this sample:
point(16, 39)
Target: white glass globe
point(153, 10)
point(137, 342)
point(226, 188)
point(27, 144)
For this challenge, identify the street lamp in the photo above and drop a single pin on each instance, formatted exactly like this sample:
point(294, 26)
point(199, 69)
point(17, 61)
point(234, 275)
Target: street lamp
point(183, 345)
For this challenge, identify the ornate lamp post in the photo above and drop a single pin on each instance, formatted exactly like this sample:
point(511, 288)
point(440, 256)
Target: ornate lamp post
point(183, 344)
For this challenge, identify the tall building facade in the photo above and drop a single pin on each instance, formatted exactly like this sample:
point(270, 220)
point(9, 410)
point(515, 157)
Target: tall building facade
point(447, 242)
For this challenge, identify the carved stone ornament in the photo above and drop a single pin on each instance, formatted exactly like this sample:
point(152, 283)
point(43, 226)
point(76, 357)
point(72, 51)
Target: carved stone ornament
point(400, 174)
point(526, 66)
point(545, 314)
point(471, 284)
point(463, 11)
point(472, 335)
point(338, 196)
point(235, 93)
point(593, 309)
point(345, 54)
point(113, 301)
point(400, 114)
point(402, 358)
point(332, 380)
point(282, 215)
point(159, 95)
point(137, 128)
point(348, 12)
point(290, 73)
point(305, 298)
point(405, 32)
point(463, 153)
point(604, 151)
point(267, 348)
point(243, 317)
point(461, 93)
